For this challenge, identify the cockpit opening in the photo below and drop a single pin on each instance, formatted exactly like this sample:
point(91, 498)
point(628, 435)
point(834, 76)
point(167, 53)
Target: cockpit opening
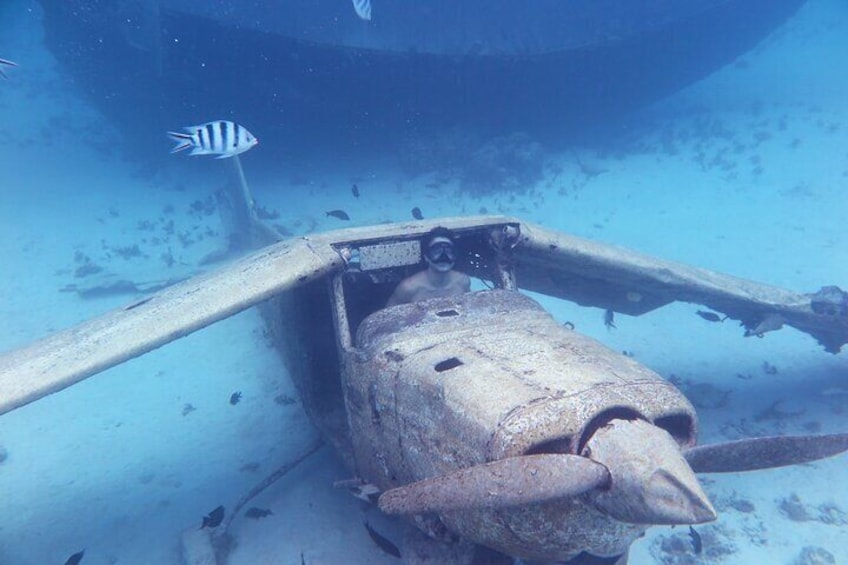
point(376, 268)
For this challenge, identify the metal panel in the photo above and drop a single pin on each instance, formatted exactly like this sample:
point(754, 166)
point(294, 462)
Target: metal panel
point(384, 255)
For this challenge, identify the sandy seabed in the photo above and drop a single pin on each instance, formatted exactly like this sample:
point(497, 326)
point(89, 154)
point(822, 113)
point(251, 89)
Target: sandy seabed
point(743, 173)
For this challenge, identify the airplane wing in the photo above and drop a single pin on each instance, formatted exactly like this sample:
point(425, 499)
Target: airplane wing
point(605, 276)
point(65, 358)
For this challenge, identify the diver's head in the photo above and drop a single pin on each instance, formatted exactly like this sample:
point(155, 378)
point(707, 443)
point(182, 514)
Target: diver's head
point(438, 250)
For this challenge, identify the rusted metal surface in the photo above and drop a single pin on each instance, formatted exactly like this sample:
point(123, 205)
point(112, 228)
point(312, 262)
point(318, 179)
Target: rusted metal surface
point(455, 383)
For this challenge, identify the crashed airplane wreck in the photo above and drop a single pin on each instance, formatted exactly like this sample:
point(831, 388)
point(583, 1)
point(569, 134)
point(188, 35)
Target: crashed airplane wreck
point(489, 425)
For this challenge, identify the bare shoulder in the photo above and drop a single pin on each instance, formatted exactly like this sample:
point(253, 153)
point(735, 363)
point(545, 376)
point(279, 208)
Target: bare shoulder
point(462, 280)
point(405, 290)
point(414, 282)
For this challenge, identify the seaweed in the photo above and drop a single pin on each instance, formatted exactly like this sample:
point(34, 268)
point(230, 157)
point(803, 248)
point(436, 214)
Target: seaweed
point(511, 163)
point(508, 163)
point(794, 509)
point(812, 555)
point(775, 412)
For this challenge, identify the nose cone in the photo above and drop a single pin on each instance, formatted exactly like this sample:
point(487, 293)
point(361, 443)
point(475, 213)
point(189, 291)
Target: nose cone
point(651, 481)
point(676, 498)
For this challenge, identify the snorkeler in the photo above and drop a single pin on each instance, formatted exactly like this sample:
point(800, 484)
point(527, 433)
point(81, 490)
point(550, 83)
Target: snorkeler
point(439, 279)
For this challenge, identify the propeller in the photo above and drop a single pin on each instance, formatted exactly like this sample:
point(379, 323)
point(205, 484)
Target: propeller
point(763, 452)
point(635, 470)
point(513, 481)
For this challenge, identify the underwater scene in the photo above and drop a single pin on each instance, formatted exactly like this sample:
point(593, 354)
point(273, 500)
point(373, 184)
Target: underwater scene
point(423, 281)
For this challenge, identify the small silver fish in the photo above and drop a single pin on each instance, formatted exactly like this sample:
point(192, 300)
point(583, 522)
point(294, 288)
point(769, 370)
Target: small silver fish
point(9, 63)
point(363, 9)
point(366, 492)
point(770, 323)
point(222, 138)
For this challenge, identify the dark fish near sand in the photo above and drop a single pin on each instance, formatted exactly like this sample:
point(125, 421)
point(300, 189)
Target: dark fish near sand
point(340, 214)
point(362, 8)
point(416, 213)
point(222, 138)
point(355, 190)
point(382, 542)
point(710, 316)
point(213, 519)
point(697, 544)
point(76, 557)
point(8, 63)
point(609, 319)
point(234, 398)
point(257, 513)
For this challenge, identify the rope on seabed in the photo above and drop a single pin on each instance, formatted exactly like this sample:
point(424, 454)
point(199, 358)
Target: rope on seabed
point(261, 234)
point(245, 190)
point(269, 480)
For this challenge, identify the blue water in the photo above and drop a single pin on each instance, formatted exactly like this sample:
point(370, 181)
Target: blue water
point(743, 171)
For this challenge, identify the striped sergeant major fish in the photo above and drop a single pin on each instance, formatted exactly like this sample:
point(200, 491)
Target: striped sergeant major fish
point(9, 63)
point(222, 138)
point(363, 8)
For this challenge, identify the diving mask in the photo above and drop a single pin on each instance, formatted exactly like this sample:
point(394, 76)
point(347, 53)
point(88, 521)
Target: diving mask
point(440, 250)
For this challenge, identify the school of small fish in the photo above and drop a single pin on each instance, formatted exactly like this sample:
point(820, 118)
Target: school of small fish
point(9, 63)
point(221, 138)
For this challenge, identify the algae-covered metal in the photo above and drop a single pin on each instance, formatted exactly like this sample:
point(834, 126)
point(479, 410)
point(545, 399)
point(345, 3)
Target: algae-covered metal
point(456, 383)
point(478, 416)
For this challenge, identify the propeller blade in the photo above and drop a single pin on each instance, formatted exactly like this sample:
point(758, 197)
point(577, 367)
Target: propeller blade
point(504, 483)
point(763, 452)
